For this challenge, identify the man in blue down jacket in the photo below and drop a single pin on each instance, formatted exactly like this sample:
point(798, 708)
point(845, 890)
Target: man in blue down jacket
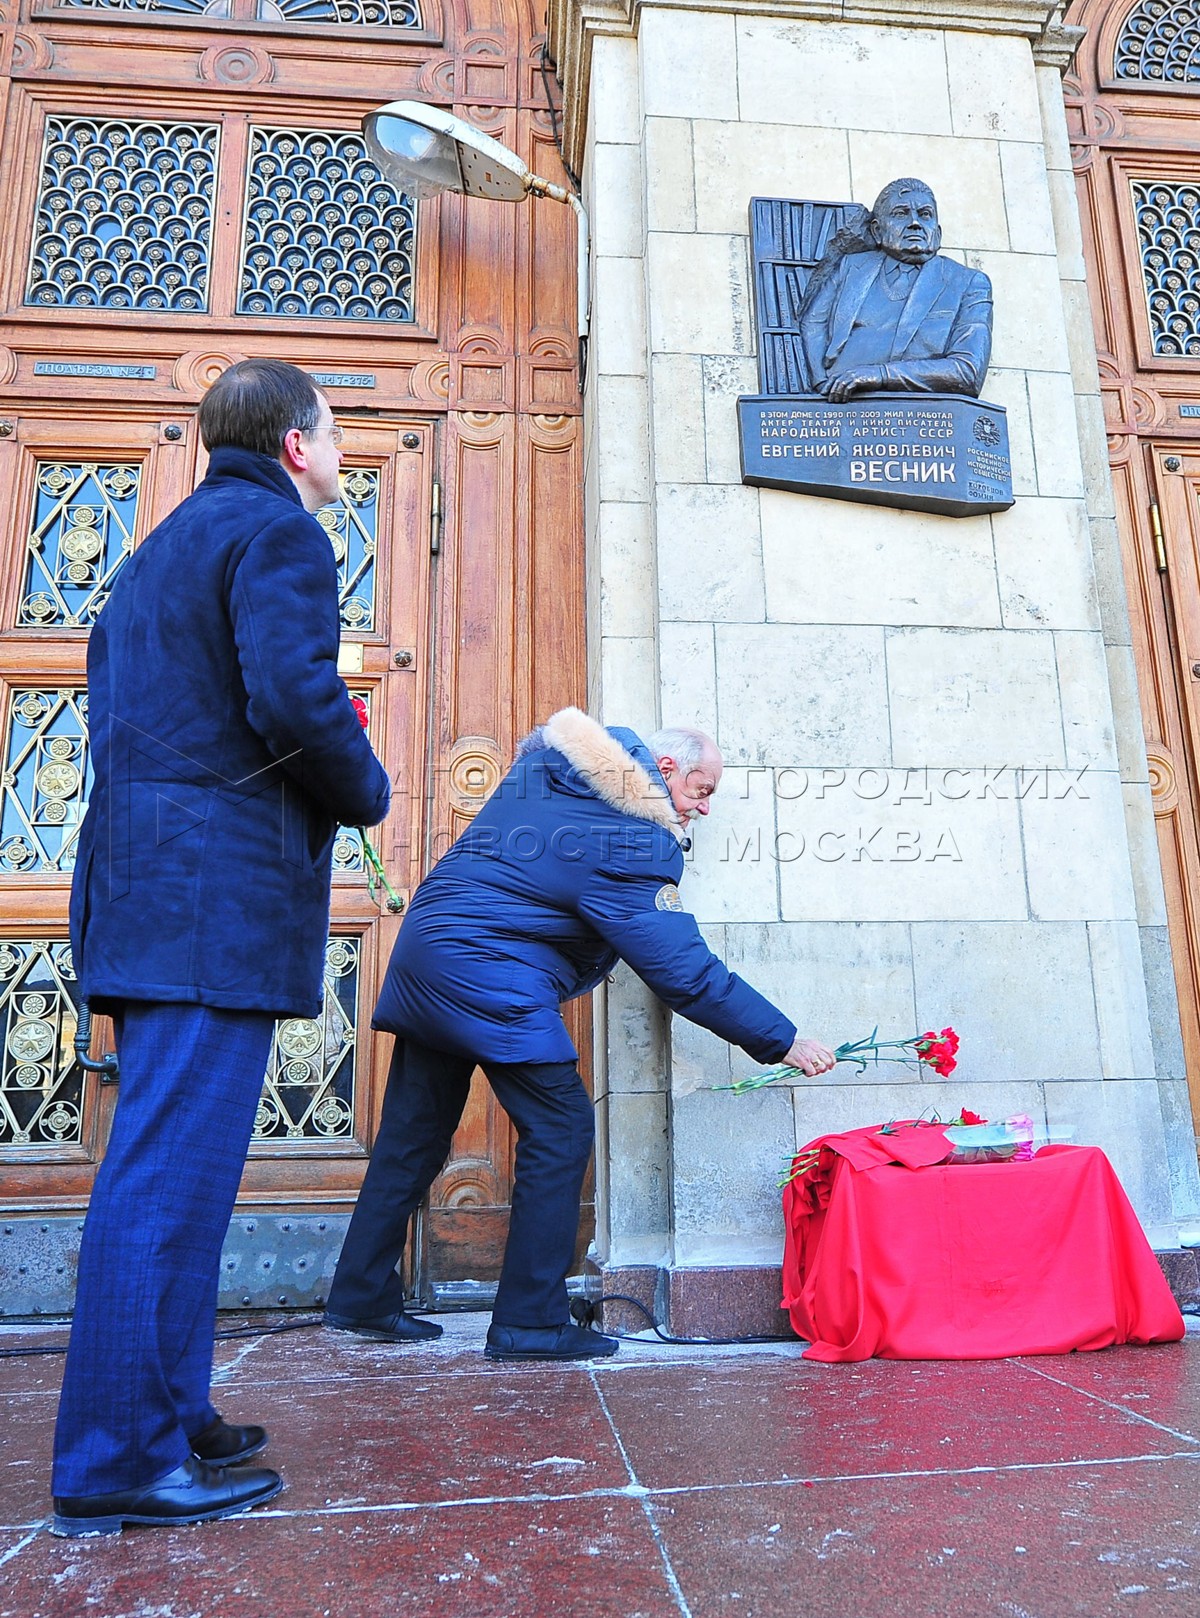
point(226, 750)
point(572, 863)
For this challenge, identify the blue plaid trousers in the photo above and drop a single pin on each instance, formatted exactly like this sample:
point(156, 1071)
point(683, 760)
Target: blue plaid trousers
point(136, 1385)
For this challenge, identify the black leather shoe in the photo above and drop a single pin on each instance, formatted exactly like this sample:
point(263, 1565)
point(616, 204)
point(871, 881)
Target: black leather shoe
point(397, 1328)
point(221, 1444)
point(547, 1343)
point(193, 1492)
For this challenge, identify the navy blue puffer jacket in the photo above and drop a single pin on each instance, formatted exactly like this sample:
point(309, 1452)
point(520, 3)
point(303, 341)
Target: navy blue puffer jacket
point(570, 865)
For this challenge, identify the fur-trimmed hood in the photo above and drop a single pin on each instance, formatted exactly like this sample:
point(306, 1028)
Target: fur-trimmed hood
point(609, 768)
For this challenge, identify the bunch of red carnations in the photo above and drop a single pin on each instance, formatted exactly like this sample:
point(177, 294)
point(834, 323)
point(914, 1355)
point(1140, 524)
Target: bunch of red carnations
point(928, 1050)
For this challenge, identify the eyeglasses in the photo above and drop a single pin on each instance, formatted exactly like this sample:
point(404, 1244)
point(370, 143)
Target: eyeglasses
point(336, 433)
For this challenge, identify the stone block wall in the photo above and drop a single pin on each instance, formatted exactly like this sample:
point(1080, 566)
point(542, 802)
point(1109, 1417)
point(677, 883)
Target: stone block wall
point(935, 806)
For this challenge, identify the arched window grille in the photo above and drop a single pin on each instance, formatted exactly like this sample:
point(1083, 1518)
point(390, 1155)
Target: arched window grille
point(325, 235)
point(362, 13)
point(1168, 225)
point(124, 215)
point(1160, 41)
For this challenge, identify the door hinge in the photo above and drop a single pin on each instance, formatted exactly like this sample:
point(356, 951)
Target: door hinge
point(435, 518)
point(1156, 528)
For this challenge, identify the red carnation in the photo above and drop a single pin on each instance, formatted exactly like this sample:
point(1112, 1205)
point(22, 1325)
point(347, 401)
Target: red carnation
point(360, 709)
point(938, 1051)
point(966, 1116)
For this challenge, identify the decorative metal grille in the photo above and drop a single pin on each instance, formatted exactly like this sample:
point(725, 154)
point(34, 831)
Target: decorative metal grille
point(46, 780)
point(347, 845)
point(124, 215)
point(41, 1083)
point(365, 13)
point(1168, 222)
point(325, 236)
point(1160, 40)
point(353, 527)
point(308, 1093)
point(80, 533)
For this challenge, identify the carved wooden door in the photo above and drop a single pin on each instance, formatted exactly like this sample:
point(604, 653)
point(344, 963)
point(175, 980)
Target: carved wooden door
point(1132, 101)
point(186, 185)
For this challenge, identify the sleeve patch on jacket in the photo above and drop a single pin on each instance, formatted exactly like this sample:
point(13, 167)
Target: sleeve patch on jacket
point(667, 898)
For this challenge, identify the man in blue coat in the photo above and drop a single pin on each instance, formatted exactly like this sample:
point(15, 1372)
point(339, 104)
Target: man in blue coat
point(573, 863)
point(226, 751)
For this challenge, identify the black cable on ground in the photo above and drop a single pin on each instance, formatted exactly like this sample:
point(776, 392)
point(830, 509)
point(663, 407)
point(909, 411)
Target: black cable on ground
point(584, 1311)
point(221, 1336)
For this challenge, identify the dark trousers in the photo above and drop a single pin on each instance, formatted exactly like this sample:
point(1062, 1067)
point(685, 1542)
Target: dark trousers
point(426, 1093)
point(135, 1390)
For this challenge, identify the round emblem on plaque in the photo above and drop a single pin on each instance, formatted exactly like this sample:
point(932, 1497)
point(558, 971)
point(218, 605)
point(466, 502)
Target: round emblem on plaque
point(54, 812)
point(986, 432)
point(296, 1073)
point(27, 1076)
point(339, 957)
point(31, 1041)
point(39, 608)
point(63, 1120)
point(299, 1037)
point(82, 544)
point(34, 1005)
point(32, 708)
point(78, 573)
point(9, 960)
point(345, 852)
point(60, 747)
point(333, 1116)
point(58, 779)
point(17, 853)
point(266, 1117)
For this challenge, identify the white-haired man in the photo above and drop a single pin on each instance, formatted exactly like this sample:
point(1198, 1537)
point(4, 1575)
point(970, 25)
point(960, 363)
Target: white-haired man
point(573, 863)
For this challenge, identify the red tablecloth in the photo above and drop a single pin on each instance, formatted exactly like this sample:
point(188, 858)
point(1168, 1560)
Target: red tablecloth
point(970, 1262)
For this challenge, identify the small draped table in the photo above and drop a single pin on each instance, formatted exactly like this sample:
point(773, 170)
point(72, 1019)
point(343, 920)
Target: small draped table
point(892, 1253)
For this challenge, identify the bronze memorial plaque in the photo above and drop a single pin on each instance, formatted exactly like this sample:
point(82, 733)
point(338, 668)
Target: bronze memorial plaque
point(873, 348)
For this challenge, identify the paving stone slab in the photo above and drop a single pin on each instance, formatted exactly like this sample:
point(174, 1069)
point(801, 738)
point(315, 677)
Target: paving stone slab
point(594, 1556)
point(736, 1422)
point(1064, 1542)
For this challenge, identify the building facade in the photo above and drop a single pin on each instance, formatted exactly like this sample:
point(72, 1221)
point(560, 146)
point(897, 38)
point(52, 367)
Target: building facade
point(938, 807)
point(959, 783)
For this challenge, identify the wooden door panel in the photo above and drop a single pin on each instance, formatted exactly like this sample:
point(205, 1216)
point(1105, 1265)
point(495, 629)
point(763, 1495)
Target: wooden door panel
point(78, 500)
point(459, 652)
point(510, 644)
point(1136, 153)
point(381, 539)
point(1175, 473)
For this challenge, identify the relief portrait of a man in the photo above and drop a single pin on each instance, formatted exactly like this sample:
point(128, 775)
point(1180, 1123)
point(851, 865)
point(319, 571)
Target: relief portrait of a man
point(890, 313)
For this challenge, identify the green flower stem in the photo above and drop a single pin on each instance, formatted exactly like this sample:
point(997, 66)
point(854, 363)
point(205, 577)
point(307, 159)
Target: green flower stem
point(376, 874)
point(860, 1051)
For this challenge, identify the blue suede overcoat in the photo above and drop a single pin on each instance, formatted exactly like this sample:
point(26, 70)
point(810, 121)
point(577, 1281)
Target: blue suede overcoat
point(225, 752)
point(555, 879)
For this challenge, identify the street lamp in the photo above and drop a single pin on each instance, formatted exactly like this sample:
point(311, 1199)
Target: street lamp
point(424, 151)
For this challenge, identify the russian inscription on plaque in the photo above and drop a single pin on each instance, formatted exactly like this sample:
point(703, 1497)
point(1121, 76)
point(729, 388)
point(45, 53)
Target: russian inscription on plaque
point(873, 349)
point(133, 373)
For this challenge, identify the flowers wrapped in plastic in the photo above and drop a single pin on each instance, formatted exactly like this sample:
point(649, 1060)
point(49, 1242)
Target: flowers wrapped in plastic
point(976, 1141)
